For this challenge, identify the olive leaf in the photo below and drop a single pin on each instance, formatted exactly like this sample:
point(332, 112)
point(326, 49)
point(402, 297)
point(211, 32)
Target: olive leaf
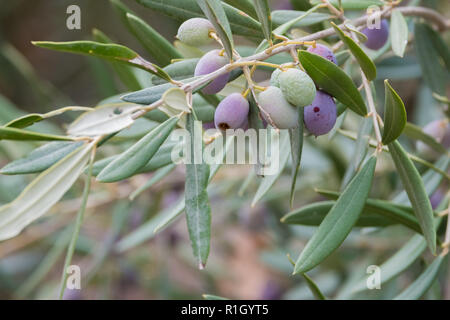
point(107, 51)
point(340, 220)
point(415, 189)
point(398, 32)
point(391, 211)
point(104, 119)
point(366, 64)
point(43, 192)
point(198, 210)
point(7, 133)
point(41, 158)
point(137, 156)
point(32, 118)
point(434, 72)
point(179, 70)
point(268, 181)
point(421, 285)
point(264, 16)
point(125, 72)
point(182, 10)
point(394, 114)
point(313, 214)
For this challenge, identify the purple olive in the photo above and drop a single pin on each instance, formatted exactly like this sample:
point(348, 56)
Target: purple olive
point(439, 130)
point(210, 62)
point(232, 112)
point(377, 37)
point(324, 52)
point(320, 116)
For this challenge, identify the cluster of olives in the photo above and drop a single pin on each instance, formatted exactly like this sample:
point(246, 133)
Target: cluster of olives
point(291, 90)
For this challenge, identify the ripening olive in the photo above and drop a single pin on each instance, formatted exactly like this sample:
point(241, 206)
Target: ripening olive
point(281, 112)
point(232, 112)
point(195, 32)
point(298, 88)
point(210, 62)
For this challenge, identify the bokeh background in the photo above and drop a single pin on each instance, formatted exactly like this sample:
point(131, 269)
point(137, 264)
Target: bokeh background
point(249, 245)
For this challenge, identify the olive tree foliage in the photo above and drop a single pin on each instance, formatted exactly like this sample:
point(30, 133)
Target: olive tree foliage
point(325, 67)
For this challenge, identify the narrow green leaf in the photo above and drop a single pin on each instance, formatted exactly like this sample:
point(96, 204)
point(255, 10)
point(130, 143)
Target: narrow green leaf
point(421, 285)
point(105, 119)
point(415, 132)
point(399, 33)
point(30, 119)
point(125, 72)
point(363, 59)
point(137, 156)
point(43, 192)
point(41, 158)
point(107, 51)
point(198, 210)
point(179, 70)
point(157, 46)
point(24, 135)
point(314, 213)
point(391, 211)
point(415, 189)
point(332, 79)
point(161, 159)
point(182, 10)
point(434, 72)
point(147, 95)
point(264, 16)
point(215, 13)
point(340, 220)
point(268, 181)
point(296, 138)
point(394, 114)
